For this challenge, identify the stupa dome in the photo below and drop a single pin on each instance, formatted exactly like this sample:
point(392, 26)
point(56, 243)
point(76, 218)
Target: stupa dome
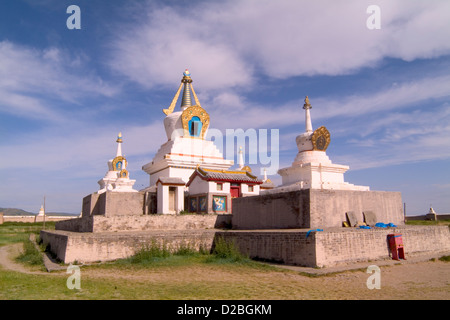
point(172, 123)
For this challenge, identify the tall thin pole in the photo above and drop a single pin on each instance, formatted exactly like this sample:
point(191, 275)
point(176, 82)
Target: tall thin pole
point(44, 214)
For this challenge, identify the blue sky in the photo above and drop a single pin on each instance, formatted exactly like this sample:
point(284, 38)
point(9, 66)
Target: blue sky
point(384, 94)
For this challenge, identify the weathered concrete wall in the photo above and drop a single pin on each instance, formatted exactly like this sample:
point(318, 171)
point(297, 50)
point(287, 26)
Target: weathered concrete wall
point(330, 247)
point(99, 223)
point(83, 224)
point(311, 208)
point(57, 242)
point(362, 245)
point(90, 205)
point(328, 207)
point(123, 203)
point(286, 246)
point(32, 219)
point(336, 246)
point(113, 204)
point(272, 211)
point(92, 247)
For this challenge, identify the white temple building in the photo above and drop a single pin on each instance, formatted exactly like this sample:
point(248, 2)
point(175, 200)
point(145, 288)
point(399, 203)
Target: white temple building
point(185, 149)
point(312, 168)
point(117, 178)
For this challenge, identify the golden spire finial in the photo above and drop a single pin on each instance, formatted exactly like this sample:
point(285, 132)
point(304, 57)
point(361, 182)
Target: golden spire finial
point(307, 104)
point(186, 82)
point(119, 138)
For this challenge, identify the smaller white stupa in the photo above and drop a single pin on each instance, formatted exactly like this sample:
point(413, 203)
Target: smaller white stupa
point(117, 178)
point(312, 169)
point(41, 212)
point(431, 215)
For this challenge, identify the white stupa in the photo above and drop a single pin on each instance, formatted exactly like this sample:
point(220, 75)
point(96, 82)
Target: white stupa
point(117, 178)
point(41, 211)
point(312, 169)
point(186, 146)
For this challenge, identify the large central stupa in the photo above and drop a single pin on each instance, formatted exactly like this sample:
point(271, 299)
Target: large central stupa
point(186, 146)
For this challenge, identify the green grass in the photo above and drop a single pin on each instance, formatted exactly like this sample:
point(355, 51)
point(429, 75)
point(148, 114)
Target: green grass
point(159, 256)
point(428, 223)
point(16, 232)
point(13, 232)
point(30, 255)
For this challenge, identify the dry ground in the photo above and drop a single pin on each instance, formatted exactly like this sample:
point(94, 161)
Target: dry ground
point(421, 280)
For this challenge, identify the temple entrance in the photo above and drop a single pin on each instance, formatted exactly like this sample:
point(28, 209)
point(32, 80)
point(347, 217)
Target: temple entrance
point(172, 199)
point(235, 191)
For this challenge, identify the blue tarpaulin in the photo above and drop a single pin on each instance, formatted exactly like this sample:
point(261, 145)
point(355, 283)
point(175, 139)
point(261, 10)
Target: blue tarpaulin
point(307, 234)
point(384, 225)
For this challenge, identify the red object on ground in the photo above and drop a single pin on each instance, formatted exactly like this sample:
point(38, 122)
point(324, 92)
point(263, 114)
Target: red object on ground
point(396, 246)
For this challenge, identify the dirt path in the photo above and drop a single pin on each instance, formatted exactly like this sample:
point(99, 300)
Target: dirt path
point(422, 280)
point(7, 254)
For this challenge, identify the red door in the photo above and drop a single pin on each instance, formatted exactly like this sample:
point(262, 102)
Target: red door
point(235, 192)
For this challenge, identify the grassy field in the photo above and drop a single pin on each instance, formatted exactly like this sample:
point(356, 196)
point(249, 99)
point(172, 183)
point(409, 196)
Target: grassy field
point(155, 273)
point(429, 223)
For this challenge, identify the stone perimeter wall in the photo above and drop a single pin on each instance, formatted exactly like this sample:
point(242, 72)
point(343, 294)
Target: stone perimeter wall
point(98, 223)
point(94, 247)
point(362, 245)
point(326, 248)
point(334, 247)
point(32, 219)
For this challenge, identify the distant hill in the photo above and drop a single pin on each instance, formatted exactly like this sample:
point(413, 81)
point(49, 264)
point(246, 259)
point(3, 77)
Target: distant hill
point(16, 212)
point(20, 212)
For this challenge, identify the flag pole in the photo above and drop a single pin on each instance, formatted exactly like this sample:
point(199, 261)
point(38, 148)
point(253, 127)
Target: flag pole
point(44, 214)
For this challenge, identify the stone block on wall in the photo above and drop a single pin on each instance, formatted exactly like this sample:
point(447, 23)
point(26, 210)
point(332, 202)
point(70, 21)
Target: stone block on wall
point(113, 204)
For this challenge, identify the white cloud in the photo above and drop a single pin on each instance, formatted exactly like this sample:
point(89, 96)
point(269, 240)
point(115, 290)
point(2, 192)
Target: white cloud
point(31, 80)
point(155, 52)
point(407, 137)
point(387, 100)
point(80, 153)
point(226, 44)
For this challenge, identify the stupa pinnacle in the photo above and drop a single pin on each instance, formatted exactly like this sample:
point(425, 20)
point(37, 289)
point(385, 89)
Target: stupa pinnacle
point(308, 124)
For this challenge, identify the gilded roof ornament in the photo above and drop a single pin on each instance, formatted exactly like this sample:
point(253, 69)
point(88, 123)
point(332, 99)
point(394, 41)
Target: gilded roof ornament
point(186, 82)
point(320, 139)
point(307, 105)
point(119, 138)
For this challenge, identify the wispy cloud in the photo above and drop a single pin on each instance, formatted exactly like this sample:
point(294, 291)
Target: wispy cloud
point(84, 151)
point(408, 137)
point(400, 96)
point(31, 80)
